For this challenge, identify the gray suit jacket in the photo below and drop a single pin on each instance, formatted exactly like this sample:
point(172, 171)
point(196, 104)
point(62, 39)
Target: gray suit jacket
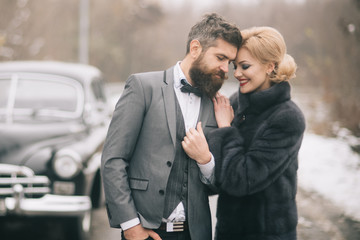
point(137, 151)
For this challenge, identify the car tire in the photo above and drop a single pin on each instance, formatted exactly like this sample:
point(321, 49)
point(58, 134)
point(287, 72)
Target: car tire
point(78, 228)
point(97, 193)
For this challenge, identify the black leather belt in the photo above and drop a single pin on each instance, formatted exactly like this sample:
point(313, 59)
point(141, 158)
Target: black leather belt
point(173, 226)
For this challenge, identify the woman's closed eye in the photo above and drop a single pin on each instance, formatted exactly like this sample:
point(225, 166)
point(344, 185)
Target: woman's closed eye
point(245, 66)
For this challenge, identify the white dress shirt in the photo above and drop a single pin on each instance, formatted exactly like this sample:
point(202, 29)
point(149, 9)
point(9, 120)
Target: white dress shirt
point(190, 108)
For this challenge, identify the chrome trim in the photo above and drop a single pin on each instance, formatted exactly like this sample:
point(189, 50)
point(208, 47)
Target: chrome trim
point(13, 177)
point(48, 205)
point(24, 180)
point(18, 170)
point(33, 190)
point(16, 182)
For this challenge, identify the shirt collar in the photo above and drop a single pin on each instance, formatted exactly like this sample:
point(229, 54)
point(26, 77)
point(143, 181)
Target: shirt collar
point(178, 75)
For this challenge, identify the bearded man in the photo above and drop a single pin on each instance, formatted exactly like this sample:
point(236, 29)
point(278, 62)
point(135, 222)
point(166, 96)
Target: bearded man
point(153, 190)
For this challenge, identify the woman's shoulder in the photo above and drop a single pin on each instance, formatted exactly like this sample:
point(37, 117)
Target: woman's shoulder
point(292, 109)
point(288, 114)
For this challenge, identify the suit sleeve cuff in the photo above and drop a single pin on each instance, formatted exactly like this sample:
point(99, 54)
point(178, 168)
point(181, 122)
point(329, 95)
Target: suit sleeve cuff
point(129, 224)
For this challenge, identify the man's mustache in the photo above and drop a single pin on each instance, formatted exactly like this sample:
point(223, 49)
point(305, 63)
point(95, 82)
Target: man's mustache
point(222, 74)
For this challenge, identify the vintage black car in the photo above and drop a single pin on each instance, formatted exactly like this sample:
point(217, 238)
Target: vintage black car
point(53, 121)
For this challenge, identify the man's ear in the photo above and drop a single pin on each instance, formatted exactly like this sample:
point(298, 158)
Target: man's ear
point(195, 48)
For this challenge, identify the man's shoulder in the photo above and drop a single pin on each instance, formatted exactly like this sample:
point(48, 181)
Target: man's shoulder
point(151, 78)
point(142, 75)
point(145, 76)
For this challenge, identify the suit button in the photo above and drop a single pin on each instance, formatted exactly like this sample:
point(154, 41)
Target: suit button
point(168, 164)
point(161, 192)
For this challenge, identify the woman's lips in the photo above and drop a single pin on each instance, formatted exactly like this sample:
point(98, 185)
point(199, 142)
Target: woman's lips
point(243, 82)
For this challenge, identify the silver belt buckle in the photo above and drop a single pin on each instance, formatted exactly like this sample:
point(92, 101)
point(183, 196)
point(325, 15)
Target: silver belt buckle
point(175, 227)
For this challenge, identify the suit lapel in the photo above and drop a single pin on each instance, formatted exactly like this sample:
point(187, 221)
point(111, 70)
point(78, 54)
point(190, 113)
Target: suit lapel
point(169, 101)
point(206, 107)
point(205, 110)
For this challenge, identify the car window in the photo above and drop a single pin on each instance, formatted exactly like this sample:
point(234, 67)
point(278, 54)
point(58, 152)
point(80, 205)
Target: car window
point(4, 93)
point(40, 96)
point(97, 89)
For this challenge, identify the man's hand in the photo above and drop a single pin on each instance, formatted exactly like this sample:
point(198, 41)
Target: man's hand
point(196, 146)
point(140, 233)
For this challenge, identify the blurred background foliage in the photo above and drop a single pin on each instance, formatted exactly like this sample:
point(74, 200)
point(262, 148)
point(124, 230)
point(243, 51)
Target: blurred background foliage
point(128, 36)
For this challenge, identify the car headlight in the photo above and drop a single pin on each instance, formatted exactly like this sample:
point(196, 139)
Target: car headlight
point(67, 163)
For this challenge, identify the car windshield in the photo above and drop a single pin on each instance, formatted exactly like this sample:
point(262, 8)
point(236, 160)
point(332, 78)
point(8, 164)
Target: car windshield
point(41, 97)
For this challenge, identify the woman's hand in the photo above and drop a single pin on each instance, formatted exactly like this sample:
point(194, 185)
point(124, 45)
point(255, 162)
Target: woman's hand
point(196, 146)
point(224, 112)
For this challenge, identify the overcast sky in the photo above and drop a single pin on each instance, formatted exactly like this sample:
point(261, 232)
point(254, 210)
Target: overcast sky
point(201, 4)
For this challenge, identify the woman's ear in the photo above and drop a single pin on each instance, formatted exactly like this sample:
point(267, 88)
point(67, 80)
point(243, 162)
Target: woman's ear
point(270, 68)
point(195, 48)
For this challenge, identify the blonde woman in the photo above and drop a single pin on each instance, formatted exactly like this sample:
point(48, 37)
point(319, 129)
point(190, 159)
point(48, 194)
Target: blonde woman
point(256, 145)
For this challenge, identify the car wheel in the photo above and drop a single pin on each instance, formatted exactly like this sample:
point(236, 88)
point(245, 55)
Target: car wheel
point(97, 193)
point(78, 228)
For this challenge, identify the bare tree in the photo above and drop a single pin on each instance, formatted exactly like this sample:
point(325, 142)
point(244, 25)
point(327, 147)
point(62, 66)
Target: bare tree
point(139, 35)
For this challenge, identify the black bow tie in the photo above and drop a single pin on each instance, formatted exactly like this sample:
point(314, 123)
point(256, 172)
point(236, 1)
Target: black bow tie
point(187, 88)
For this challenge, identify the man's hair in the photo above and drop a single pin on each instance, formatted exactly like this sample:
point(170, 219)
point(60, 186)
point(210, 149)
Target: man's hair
point(211, 28)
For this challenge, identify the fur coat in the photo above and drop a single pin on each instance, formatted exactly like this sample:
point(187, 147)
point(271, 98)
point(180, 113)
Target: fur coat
point(256, 162)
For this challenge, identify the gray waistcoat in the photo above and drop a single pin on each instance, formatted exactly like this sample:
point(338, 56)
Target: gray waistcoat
point(177, 186)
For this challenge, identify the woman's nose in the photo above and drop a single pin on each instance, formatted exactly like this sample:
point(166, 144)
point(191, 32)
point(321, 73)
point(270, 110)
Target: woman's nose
point(237, 73)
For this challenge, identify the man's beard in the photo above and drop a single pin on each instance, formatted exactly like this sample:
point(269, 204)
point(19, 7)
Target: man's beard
point(206, 80)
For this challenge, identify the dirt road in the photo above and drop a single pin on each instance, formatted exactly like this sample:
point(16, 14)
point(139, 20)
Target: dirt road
point(321, 220)
point(318, 220)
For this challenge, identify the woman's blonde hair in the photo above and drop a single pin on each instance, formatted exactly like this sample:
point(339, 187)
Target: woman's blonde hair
point(267, 45)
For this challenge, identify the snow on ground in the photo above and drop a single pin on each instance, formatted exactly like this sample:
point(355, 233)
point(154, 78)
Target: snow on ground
point(329, 167)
